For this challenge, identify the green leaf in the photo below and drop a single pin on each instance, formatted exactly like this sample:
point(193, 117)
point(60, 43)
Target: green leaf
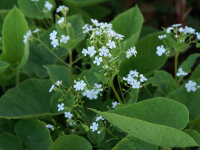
point(76, 34)
point(157, 110)
point(82, 3)
point(14, 28)
point(146, 60)
point(10, 142)
point(189, 62)
point(71, 142)
point(155, 134)
point(196, 73)
point(164, 81)
point(129, 24)
point(35, 9)
point(189, 99)
point(194, 134)
point(131, 143)
point(34, 134)
point(3, 66)
point(57, 72)
point(30, 98)
point(40, 56)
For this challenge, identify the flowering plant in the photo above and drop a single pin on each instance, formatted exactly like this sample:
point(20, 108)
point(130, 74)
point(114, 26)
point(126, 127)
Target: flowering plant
point(71, 81)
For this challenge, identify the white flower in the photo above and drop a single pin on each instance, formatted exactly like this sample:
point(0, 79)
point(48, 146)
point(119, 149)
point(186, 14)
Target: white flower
point(181, 29)
point(135, 84)
point(114, 104)
point(54, 43)
point(61, 20)
point(85, 52)
point(189, 30)
point(36, 30)
point(104, 51)
point(68, 115)
point(97, 60)
point(95, 22)
point(133, 73)
point(98, 87)
point(142, 78)
point(49, 126)
point(191, 86)
point(181, 72)
point(132, 51)
point(98, 132)
point(91, 94)
point(162, 36)
point(99, 118)
point(160, 50)
point(58, 83)
point(60, 107)
point(111, 44)
point(72, 123)
point(53, 34)
point(198, 35)
point(169, 29)
point(64, 39)
point(48, 6)
point(61, 8)
point(52, 87)
point(26, 36)
point(94, 126)
point(91, 51)
point(79, 85)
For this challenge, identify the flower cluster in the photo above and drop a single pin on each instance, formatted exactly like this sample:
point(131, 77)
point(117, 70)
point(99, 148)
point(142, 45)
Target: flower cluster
point(79, 85)
point(179, 34)
point(93, 93)
point(135, 79)
point(61, 107)
point(58, 83)
point(181, 73)
point(68, 115)
point(103, 39)
point(94, 127)
point(132, 51)
point(62, 8)
point(26, 36)
point(191, 86)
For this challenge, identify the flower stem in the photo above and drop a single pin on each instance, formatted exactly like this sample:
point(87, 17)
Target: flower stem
point(115, 92)
point(176, 65)
point(70, 67)
point(52, 52)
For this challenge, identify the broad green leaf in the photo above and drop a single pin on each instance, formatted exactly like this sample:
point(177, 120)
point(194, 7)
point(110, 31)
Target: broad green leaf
point(58, 72)
point(164, 81)
point(34, 134)
point(14, 28)
point(82, 3)
point(129, 24)
point(10, 142)
point(71, 142)
point(190, 99)
point(157, 110)
point(40, 56)
point(7, 5)
point(155, 134)
point(131, 143)
point(35, 9)
point(76, 34)
point(196, 73)
point(189, 62)
point(194, 134)
point(6, 125)
point(146, 59)
point(30, 98)
point(147, 30)
point(132, 96)
point(3, 66)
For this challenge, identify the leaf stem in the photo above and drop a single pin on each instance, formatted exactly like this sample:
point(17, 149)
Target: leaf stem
point(120, 88)
point(70, 67)
point(176, 65)
point(52, 52)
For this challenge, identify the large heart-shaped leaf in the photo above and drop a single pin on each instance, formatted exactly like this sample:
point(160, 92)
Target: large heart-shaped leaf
point(146, 59)
point(14, 28)
point(34, 134)
point(72, 142)
point(30, 98)
point(157, 110)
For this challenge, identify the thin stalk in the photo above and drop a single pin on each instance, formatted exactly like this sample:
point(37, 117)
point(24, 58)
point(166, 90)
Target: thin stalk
point(115, 92)
point(176, 66)
point(52, 52)
point(120, 88)
point(70, 67)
